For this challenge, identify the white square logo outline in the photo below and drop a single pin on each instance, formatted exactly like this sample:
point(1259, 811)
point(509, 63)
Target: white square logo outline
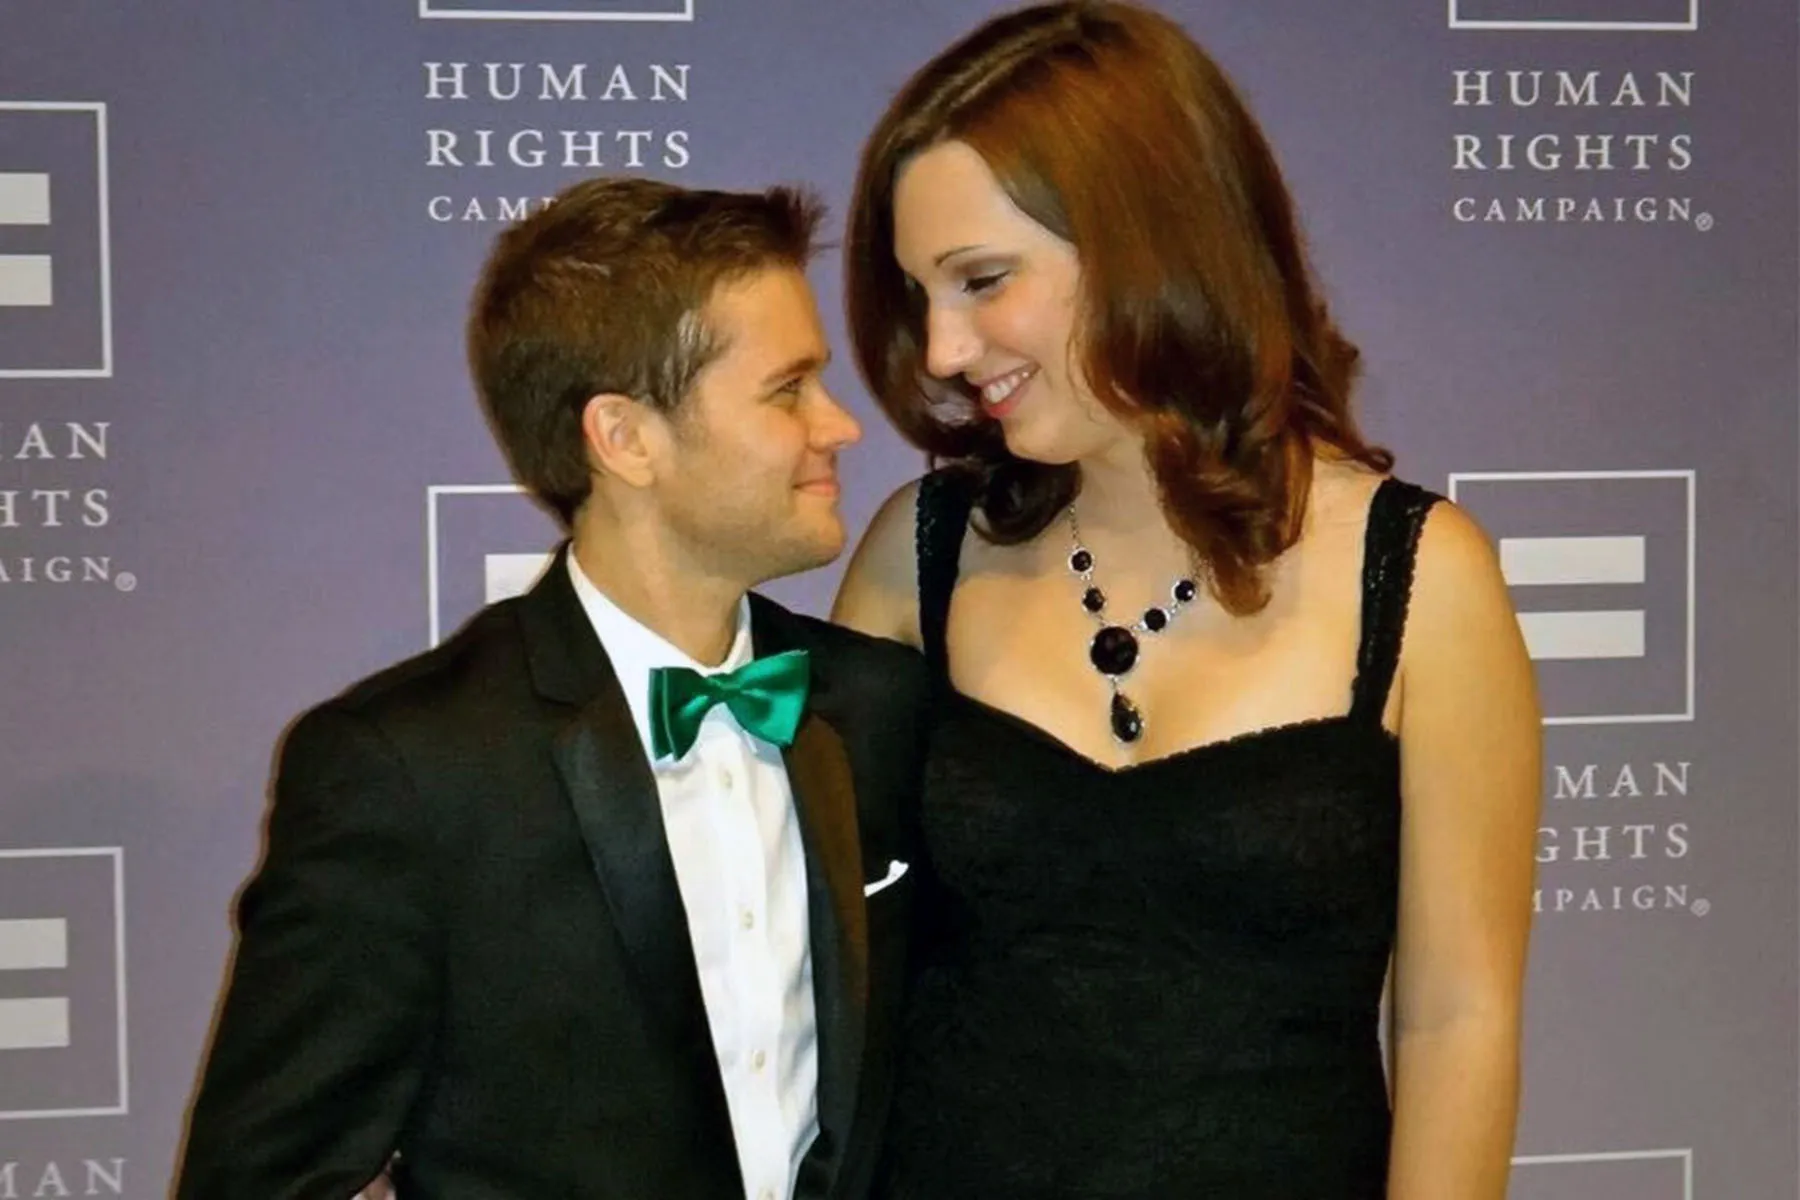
point(1690, 25)
point(1690, 477)
point(433, 587)
point(428, 13)
point(1684, 1154)
point(123, 1107)
point(105, 369)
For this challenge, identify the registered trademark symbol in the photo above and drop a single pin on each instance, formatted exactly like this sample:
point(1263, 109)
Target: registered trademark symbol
point(1701, 908)
point(125, 581)
point(1703, 222)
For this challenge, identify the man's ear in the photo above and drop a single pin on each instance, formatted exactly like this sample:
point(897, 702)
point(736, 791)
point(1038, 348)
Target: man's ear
point(622, 436)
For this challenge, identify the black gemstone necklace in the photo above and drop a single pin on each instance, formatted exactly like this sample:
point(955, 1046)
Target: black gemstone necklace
point(1114, 650)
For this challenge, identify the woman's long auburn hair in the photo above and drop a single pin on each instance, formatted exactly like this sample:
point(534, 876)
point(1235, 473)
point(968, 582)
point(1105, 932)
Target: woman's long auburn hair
point(1197, 323)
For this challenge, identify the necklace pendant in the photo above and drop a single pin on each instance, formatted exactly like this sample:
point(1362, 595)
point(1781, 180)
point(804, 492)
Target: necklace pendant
point(1127, 721)
point(1113, 651)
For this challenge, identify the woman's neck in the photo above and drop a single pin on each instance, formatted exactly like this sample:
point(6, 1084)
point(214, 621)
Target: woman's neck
point(1119, 492)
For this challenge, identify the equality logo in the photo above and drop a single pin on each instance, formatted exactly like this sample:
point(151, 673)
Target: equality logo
point(62, 983)
point(557, 10)
point(1660, 1174)
point(1604, 16)
point(484, 543)
point(55, 270)
point(1601, 569)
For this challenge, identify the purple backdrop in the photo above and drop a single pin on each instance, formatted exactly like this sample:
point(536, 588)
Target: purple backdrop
point(240, 464)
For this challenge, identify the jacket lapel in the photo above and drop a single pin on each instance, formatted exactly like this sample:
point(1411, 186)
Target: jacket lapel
point(824, 790)
point(613, 792)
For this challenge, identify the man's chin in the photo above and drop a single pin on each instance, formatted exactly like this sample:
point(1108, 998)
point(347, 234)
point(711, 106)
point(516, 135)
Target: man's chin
point(822, 555)
point(822, 548)
point(799, 556)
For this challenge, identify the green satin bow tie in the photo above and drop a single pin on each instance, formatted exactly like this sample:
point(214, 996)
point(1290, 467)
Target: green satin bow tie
point(767, 697)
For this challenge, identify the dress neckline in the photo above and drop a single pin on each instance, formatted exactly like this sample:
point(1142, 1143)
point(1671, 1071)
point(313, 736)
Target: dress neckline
point(1236, 741)
point(1394, 522)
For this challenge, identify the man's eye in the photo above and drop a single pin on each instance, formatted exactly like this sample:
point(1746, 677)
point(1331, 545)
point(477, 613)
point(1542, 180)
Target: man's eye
point(792, 387)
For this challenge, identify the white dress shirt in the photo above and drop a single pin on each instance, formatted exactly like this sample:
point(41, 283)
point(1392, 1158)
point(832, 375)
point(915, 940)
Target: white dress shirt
point(728, 812)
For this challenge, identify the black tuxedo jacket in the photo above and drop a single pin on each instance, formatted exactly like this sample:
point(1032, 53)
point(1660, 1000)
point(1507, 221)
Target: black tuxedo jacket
point(465, 943)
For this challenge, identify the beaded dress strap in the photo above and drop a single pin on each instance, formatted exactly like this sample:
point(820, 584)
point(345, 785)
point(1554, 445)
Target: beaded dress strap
point(942, 516)
point(1390, 549)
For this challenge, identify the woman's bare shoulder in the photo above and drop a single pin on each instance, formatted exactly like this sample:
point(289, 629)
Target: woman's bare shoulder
point(879, 594)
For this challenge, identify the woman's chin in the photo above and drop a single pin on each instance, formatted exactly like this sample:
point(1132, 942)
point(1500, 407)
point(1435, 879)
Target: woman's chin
point(1038, 445)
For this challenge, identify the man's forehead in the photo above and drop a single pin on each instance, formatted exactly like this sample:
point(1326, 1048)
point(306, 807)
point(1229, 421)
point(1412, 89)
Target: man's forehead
point(755, 290)
point(769, 317)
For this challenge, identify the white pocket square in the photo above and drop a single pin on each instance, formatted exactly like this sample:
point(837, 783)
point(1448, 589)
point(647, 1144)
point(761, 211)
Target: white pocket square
point(896, 869)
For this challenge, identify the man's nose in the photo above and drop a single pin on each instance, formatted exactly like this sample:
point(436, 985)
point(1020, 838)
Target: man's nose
point(833, 427)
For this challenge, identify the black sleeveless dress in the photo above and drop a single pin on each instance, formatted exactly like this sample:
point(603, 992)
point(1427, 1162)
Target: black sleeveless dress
point(1161, 981)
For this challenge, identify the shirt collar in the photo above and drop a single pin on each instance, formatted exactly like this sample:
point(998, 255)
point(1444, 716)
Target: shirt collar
point(635, 649)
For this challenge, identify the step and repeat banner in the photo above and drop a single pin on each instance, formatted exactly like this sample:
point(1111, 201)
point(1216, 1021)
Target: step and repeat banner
point(241, 465)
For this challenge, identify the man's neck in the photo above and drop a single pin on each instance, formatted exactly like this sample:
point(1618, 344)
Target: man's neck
point(693, 611)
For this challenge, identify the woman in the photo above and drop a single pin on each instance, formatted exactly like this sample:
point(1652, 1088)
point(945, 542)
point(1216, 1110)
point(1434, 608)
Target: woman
point(1229, 719)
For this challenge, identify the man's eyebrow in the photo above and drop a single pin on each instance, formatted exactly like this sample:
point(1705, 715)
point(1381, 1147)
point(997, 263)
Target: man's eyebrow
point(806, 364)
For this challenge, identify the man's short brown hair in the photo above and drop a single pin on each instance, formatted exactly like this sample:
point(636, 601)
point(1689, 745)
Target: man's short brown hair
point(605, 290)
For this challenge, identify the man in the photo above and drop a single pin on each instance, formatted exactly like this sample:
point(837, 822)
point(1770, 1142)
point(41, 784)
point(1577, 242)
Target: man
point(605, 896)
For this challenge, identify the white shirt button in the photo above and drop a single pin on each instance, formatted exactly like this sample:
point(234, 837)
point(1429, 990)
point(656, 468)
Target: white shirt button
point(725, 779)
point(766, 1194)
point(747, 919)
point(758, 1060)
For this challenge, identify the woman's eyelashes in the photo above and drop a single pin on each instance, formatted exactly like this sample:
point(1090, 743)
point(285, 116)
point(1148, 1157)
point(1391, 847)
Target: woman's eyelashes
point(969, 281)
point(981, 282)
